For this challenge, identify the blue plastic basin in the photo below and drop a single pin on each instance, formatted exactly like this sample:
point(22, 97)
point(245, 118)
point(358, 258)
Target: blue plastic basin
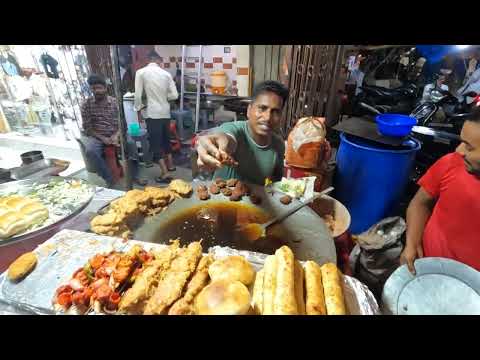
point(395, 125)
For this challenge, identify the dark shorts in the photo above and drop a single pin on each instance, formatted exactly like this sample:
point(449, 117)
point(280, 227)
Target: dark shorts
point(159, 137)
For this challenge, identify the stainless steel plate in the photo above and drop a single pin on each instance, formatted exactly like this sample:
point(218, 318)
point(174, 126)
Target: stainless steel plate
point(305, 231)
point(23, 188)
point(441, 287)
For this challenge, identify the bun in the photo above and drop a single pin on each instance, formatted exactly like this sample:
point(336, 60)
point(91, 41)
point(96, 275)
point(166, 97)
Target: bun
point(223, 297)
point(18, 213)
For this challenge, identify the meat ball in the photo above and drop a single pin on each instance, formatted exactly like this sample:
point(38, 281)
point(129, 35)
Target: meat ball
point(203, 195)
point(255, 199)
point(235, 197)
point(232, 182)
point(214, 189)
point(202, 188)
point(285, 200)
point(226, 191)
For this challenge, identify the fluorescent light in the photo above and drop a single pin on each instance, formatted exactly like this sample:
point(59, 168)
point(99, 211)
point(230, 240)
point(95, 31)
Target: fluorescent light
point(461, 47)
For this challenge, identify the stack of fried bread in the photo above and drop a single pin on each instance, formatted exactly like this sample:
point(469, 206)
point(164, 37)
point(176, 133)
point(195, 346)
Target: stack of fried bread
point(18, 213)
point(284, 287)
point(126, 212)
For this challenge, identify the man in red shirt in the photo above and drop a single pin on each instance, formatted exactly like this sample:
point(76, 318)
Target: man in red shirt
point(443, 219)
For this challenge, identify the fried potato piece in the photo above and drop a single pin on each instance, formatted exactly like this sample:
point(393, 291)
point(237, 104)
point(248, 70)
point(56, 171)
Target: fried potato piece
point(315, 301)
point(22, 266)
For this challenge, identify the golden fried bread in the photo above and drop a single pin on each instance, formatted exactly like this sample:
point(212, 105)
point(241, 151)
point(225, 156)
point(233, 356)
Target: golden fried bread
point(284, 300)
point(333, 290)
point(232, 268)
point(22, 266)
point(223, 297)
point(299, 288)
point(257, 297)
point(18, 213)
point(180, 187)
point(315, 299)
point(269, 284)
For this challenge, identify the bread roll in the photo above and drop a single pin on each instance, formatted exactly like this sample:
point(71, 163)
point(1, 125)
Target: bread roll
point(19, 213)
point(284, 302)
point(333, 290)
point(299, 292)
point(258, 293)
point(232, 268)
point(22, 266)
point(315, 300)
point(223, 297)
point(269, 284)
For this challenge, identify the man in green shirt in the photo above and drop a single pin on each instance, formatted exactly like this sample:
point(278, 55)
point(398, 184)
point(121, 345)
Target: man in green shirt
point(254, 144)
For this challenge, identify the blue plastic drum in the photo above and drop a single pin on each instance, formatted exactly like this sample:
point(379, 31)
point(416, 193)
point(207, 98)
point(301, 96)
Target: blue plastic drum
point(370, 178)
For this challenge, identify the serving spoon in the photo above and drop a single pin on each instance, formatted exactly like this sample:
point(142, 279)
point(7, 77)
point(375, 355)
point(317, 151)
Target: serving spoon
point(255, 231)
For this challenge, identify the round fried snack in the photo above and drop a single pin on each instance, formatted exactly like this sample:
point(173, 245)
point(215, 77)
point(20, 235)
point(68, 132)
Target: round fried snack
point(214, 189)
point(22, 266)
point(203, 195)
point(285, 200)
point(223, 297)
point(232, 268)
point(202, 188)
point(232, 182)
point(226, 191)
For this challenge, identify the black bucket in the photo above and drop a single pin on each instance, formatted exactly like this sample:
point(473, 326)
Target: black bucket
point(31, 156)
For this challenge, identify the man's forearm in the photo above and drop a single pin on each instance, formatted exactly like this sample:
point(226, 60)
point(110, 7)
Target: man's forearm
point(417, 217)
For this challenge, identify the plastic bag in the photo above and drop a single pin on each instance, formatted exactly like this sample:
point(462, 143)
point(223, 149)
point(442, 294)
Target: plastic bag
point(377, 253)
point(307, 146)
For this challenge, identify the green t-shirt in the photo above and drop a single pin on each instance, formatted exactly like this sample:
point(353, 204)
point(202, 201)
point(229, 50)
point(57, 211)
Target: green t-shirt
point(256, 163)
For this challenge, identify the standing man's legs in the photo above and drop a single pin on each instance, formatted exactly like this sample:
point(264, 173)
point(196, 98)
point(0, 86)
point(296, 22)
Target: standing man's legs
point(155, 136)
point(94, 151)
point(166, 145)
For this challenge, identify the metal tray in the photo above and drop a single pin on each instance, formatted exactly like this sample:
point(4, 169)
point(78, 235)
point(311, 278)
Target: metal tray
point(39, 169)
point(24, 187)
point(68, 250)
point(440, 287)
point(58, 258)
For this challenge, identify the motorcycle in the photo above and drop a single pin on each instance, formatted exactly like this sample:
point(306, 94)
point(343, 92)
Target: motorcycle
point(455, 111)
point(400, 100)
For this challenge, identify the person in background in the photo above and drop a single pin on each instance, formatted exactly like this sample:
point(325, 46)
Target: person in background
point(100, 127)
point(438, 84)
point(254, 144)
point(159, 88)
point(443, 217)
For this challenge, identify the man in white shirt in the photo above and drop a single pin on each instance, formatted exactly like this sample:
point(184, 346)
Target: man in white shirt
point(159, 88)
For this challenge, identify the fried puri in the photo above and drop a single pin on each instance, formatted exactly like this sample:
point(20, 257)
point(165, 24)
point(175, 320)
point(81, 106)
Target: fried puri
point(232, 268)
